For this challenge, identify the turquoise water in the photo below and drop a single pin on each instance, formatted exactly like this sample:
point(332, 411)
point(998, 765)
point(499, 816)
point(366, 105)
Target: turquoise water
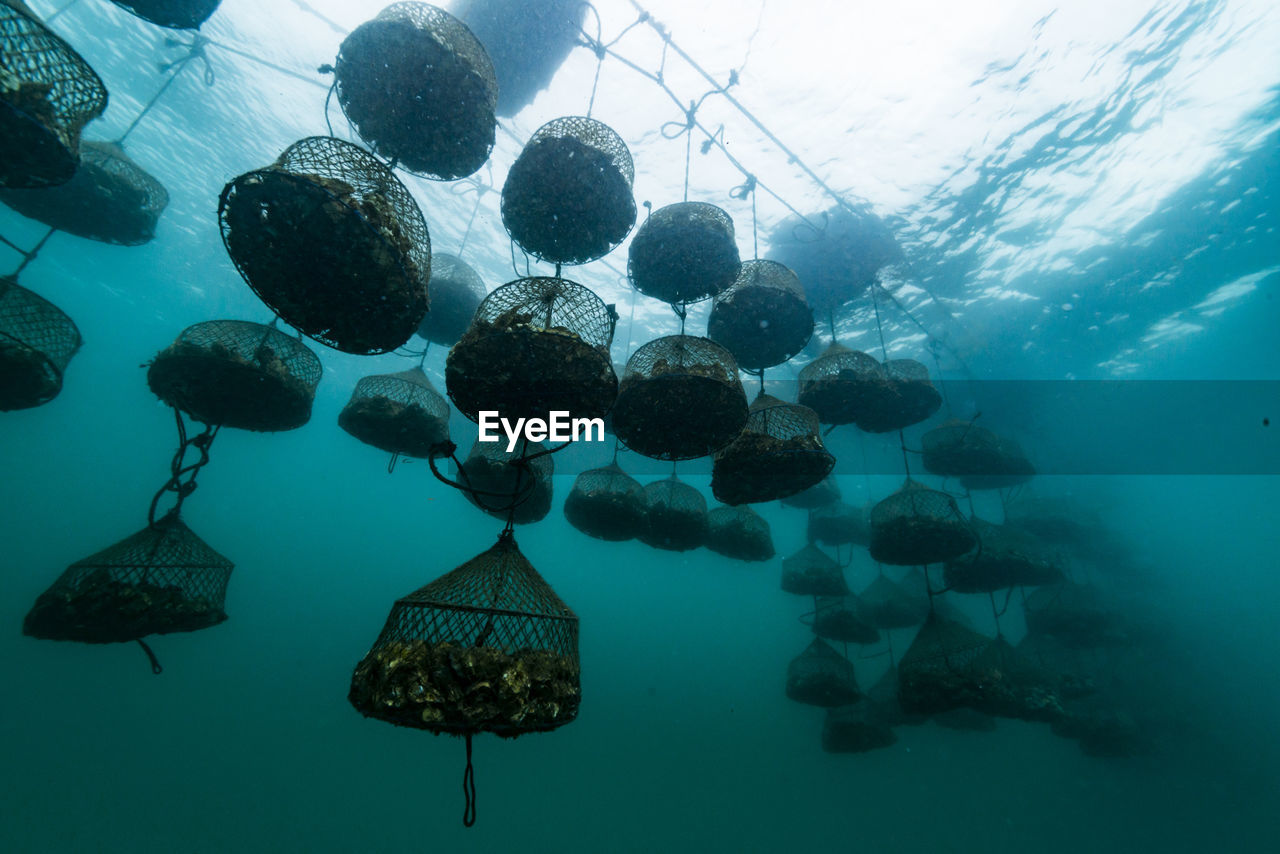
point(1011, 204)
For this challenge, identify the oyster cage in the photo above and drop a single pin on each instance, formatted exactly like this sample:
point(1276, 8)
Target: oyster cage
point(841, 385)
point(811, 572)
point(917, 525)
point(174, 14)
point(333, 243)
point(675, 516)
point(839, 524)
point(162, 579)
point(684, 253)
point(820, 676)
point(778, 453)
point(1006, 557)
point(37, 341)
point(48, 93)
point(109, 199)
point(419, 89)
point(763, 318)
point(739, 533)
point(606, 503)
point(488, 647)
point(842, 618)
point(906, 398)
point(500, 479)
point(567, 198)
point(536, 345)
point(456, 293)
point(237, 374)
point(398, 413)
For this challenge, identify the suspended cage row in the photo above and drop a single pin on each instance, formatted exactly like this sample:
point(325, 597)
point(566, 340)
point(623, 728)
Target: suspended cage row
point(37, 341)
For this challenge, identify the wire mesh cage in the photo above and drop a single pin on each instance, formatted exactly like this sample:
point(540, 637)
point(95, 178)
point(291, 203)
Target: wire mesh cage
point(740, 533)
point(1005, 557)
point(110, 199)
point(762, 318)
point(842, 618)
point(456, 292)
point(675, 516)
point(841, 385)
point(174, 14)
point(836, 253)
point(567, 198)
point(1011, 469)
point(886, 604)
point(419, 89)
point(680, 398)
point(333, 243)
point(488, 647)
point(162, 579)
point(399, 413)
point(1057, 520)
point(495, 479)
point(1073, 667)
point(859, 728)
point(48, 93)
point(684, 253)
point(1075, 614)
point(238, 374)
point(606, 503)
point(778, 453)
point(917, 525)
point(907, 398)
point(820, 676)
point(537, 345)
point(811, 572)
point(821, 494)
point(37, 341)
point(839, 524)
point(527, 43)
point(979, 457)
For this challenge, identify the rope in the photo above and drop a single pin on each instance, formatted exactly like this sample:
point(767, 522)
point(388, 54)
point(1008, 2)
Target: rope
point(194, 50)
point(51, 18)
point(155, 662)
point(29, 256)
point(177, 468)
point(266, 64)
point(480, 191)
point(337, 28)
point(469, 789)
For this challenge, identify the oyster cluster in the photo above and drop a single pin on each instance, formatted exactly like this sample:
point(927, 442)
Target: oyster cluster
point(445, 687)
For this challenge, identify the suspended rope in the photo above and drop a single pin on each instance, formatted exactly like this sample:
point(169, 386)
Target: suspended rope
point(469, 789)
point(54, 16)
point(310, 10)
point(179, 469)
point(27, 255)
point(195, 50)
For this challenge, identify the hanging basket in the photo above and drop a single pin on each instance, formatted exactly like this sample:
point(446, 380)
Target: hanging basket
point(821, 494)
point(778, 453)
point(333, 243)
point(109, 199)
point(836, 253)
point(37, 341)
point(907, 398)
point(1005, 557)
point(237, 374)
point(567, 198)
point(606, 503)
point(679, 399)
point(174, 14)
point(739, 533)
point(456, 293)
point(917, 525)
point(398, 413)
point(856, 729)
point(47, 95)
point(889, 605)
point(675, 516)
point(810, 572)
point(684, 253)
point(763, 318)
point(527, 43)
point(536, 346)
point(839, 524)
point(843, 619)
point(820, 676)
point(488, 647)
point(841, 385)
point(420, 90)
point(980, 458)
point(1075, 614)
point(162, 579)
point(501, 477)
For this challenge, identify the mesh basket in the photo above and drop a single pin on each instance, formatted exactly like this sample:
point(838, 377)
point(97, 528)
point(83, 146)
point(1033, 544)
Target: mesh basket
point(606, 503)
point(162, 579)
point(679, 399)
point(887, 604)
point(740, 533)
point(237, 374)
point(836, 252)
point(820, 676)
point(333, 243)
point(907, 398)
point(398, 413)
point(778, 453)
point(490, 468)
point(108, 199)
point(841, 384)
point(1069, 665)
point(821, 494)
point(527, 43)
point(675, 516)
point(839, 524)
point(856, 729)
point(567, 198)
point(420, 90)
point(1059, 521)
point(1006, 557)
point(683, 253)
point(47, 95)
point(810, 572)
point(842, 618)
point(980, 458)
point(456, 293)
point(1075, 614)
point(537, 345)
point(917, 525)
point(763, 318)
point(37, 342)
point(1011, 468)
point(488, 647)
point(175, 14)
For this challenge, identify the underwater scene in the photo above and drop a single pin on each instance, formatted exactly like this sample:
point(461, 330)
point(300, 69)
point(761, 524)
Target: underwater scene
point(635, 425)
